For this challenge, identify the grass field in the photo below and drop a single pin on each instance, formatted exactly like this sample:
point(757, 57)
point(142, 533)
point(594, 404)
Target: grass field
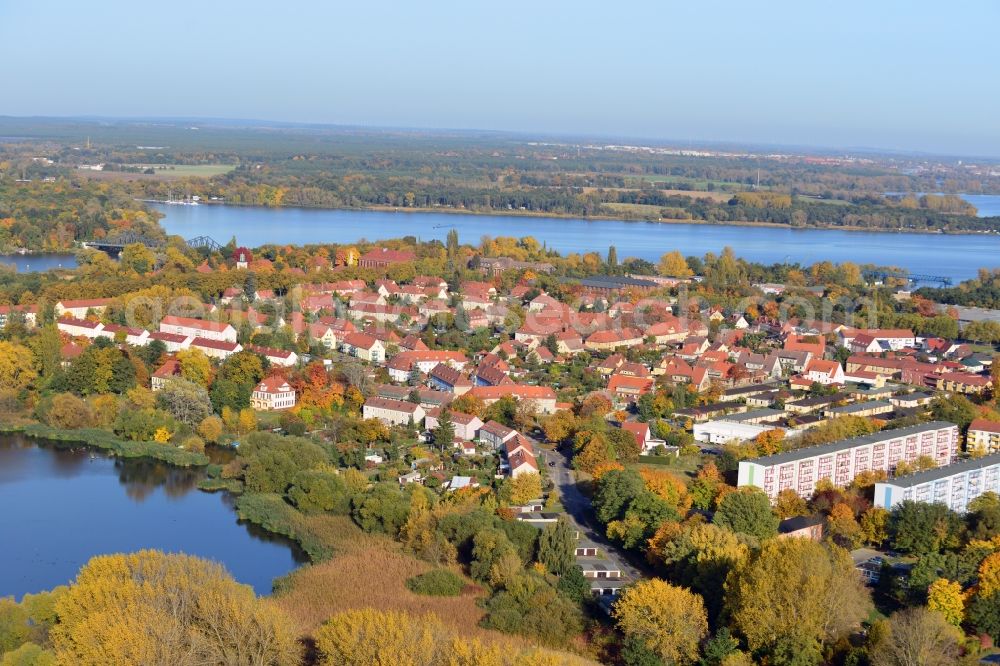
point(371, 570)
point(163, 172)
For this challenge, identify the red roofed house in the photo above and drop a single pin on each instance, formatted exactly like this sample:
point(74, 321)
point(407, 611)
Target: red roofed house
point(496, 434)
point(381, 257)
point(216, 348)
point(611, 339)
point(521, 462)
point(962, 382)
point(393, 412)
point(363, 346)
point(543, 396)
point(629, 388)
point(281, 357)
point(171, 368)
point(641, 432)
point(466, 425)
point(273, 392)
point(444, 377)
point(172, 341)
point(78, 308)
point(824, 372)
point(984, 437)
point(198, 328)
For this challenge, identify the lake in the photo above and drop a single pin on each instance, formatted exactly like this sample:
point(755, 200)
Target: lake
point(35, 263)
point(954, 256)
point(62, 506)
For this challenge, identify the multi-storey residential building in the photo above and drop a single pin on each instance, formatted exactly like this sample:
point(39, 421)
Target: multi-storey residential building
point(983, 437)
point(841, 461)
point(198, 328)
point(953, 485)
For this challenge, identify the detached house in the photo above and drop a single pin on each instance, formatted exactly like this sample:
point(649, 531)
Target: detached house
point(273, 392)
point(446, 378)
point(467, 426)
point(496, 434)
point(825, 372)
point(363, 346)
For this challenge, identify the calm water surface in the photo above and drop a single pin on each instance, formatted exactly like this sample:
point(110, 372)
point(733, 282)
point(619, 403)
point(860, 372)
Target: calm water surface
point(61, 507)
point(955, 256)
point(36, 263)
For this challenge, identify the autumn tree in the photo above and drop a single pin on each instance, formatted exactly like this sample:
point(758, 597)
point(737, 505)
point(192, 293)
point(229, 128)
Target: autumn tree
point(945, 597)
point(152, 608)
point(790, 504)
point(673, 264)
point(523, 488)
point(195, 366)
point(68, 411)
point(210, 429)
point(17, 371)
point(669, 620)
point(917, 636)
point(795, 595)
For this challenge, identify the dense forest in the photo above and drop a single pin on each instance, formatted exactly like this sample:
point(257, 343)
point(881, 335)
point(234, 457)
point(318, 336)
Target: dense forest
point(56, 215)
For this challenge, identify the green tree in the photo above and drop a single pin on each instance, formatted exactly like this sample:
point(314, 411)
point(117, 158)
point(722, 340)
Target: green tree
point(185, 401)
point(920, 528)
point(747, 511)
point(137, 257)
point(556, 547)
point(444, 433)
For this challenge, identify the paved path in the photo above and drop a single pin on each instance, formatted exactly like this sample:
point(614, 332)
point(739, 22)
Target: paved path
point(581, 513)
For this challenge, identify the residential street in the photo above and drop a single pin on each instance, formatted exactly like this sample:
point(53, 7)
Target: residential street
point(580, 511)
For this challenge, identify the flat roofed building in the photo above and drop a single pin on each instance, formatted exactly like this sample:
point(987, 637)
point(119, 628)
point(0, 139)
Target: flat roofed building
point(952, 485)
point(841, 461)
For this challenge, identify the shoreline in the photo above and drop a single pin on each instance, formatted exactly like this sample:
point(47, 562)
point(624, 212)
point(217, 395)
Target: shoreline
point(106, 441)
point(597, 218)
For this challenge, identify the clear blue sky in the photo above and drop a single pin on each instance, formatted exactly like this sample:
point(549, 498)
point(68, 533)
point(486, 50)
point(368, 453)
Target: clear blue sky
point(916, 75)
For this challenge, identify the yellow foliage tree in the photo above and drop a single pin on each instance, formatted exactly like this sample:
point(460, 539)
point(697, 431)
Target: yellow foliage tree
point(210, 428)
point(195, 366)
point(671, 621)
point(153, 608)
point(162, 435)
point(667, 487)
point(674, 264)
point(524, 488)
point(247, 421)
point(945, 597)
point(17, 368)
point(369, 637)
point(989, 575)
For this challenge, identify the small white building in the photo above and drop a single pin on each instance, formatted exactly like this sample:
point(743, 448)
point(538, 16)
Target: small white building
point(721, 432)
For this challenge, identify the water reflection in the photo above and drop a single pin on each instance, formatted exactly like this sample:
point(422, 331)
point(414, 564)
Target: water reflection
point(70, 508)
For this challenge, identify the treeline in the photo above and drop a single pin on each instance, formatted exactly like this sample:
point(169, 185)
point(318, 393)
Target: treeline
point(56, 216)
point(981, 291)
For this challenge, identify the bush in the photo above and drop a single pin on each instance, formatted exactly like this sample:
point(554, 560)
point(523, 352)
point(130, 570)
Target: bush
point(436, 583)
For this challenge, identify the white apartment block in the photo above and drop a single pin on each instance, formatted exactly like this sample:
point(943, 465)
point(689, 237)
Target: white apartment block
point(841, 461)
point(953, 485)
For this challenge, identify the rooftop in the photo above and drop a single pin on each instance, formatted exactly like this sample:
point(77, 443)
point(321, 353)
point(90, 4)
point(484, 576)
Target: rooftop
point(844, 444)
